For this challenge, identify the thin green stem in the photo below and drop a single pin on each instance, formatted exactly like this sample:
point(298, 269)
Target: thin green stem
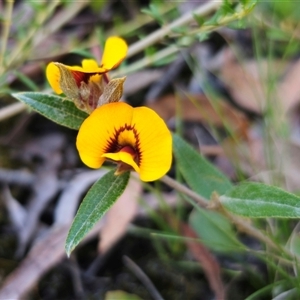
point(5, 31)
point(146, 61)
point(185, 190)
point(60, 19)
point(247, 228)
point(158, 35)
point(239, 14)
point(215, 205)
point(135, 48)
point(39, 33)
point(40, 19)
point(36, 35)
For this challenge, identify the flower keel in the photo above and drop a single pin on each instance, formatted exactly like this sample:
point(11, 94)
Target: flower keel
point(135, 138)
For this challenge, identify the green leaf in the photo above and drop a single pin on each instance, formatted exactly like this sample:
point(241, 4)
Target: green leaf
point(101, 196)
point(120, 295)
point(199, 174)
point(294, 241)
point(154, 12)
point(257, 200)
point(97, 6)
point(53, 107)
point(215, 231)
point(199, 19)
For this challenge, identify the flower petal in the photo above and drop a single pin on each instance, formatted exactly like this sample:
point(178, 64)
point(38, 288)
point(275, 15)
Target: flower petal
point(118, 123)
point(115, 51)
point(125, 157)
point(53, 77)
point(155, 143)
point(99, 129)
point(89, 65)
point(97, 70)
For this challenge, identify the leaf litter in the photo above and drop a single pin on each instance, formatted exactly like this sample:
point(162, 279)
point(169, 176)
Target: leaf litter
point(42, 196)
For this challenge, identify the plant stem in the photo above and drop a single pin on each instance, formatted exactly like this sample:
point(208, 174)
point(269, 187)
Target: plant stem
point(146, 61)
point(41, 32)
point(185, 190)
point(215, 205)
point(59, 20)
point(16, 54)
point(5, 31)
point(238, 15)
point(158, 35)
point(242, 225)
point(37, 37)
point(11, 110)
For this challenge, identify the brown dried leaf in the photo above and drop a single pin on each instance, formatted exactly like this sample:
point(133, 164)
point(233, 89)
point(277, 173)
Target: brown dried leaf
point(249, 82)
point(289, 87)
point(208, 261)
point(246, 83)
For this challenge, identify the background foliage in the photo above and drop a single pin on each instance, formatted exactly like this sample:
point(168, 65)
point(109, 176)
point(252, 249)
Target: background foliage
point(224, 223)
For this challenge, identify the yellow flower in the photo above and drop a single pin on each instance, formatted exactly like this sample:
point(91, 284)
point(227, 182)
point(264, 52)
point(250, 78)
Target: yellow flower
point(135, 138)
point(85, 84)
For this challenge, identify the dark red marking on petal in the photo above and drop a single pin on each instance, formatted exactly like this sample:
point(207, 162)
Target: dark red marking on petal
point(113, 145)
point(105, 77)
point(129, 150)
point(82, 77)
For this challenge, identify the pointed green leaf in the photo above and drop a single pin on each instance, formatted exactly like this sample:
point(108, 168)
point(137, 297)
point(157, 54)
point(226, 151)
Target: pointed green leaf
point(53, 107)
point(199, 174)
point(215, 231)
point(102, 195)
point(257, 200)
point(294, 241)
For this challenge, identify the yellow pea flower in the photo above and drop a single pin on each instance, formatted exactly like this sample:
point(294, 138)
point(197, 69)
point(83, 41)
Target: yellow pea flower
point(85, 84)
point(135, 138)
